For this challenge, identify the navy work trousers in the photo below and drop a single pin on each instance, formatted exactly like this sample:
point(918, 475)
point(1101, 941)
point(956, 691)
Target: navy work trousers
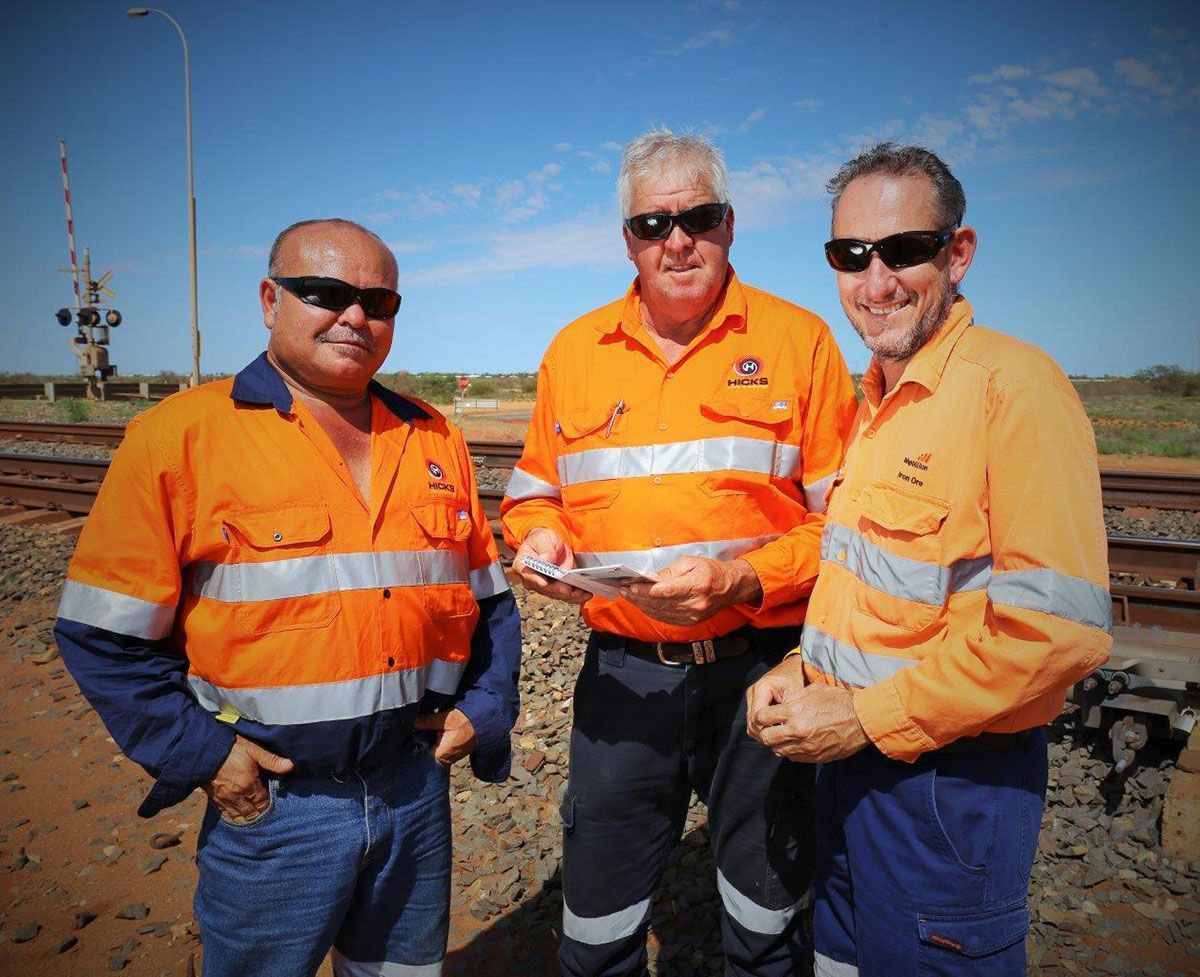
point(923, 868)
point(645, 736)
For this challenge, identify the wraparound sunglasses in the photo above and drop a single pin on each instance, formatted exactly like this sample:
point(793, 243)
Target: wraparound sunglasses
point(694, 220)
point(903, 250)
point(336, 295)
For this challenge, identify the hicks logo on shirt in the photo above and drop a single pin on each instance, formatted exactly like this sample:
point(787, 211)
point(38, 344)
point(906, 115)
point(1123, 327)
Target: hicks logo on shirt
point(748, 370)
point(439, 483)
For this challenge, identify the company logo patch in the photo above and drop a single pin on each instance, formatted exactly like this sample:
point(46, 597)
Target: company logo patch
point(439, 483)
point(749, 373)
point(919, 464)
point(780, 405)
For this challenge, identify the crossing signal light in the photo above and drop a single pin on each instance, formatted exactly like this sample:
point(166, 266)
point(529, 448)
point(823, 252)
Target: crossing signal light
point(88, 317)
point(63, 316)
point(112, 317)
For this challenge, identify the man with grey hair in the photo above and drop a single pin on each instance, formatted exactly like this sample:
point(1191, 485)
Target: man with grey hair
point(288, 595)
point(688, 430)
point(963, 589)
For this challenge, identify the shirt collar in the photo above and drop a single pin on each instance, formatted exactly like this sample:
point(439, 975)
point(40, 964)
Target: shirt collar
point(730, 309)
point(929, 362)
point(260, 383)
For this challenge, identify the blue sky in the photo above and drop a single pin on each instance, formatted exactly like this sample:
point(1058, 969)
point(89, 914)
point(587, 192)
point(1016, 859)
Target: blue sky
point(482, 141)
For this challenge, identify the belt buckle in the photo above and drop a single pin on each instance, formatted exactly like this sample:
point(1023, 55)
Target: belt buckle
point(658, 649)
point(703, 652)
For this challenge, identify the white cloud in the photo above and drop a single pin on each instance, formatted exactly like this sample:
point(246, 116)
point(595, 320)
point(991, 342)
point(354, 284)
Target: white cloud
point(716, 35)
point(807, 105)
point(469, 193)
point(601, 166)
point(592, 240)
point(1138, 74)
point(562, 147)
point(612, 147)
point(1006, 72)
point(408, 247)
point(507, 192)
point(753, 119)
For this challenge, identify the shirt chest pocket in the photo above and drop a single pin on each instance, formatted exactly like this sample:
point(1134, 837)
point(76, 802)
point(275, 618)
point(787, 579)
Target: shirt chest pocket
point(441, 569)
point(745, 442)
point(897, 555)
point(591, 460)
point(282, 575)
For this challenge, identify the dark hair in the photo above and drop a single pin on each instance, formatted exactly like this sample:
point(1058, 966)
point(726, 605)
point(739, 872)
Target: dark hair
point(887, 157)
point(273, 269)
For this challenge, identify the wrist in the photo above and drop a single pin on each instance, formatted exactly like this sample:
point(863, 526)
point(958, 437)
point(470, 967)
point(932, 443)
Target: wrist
point(745, 588)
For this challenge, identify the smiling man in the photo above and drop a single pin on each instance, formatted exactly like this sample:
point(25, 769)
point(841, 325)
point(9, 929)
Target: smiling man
point(963, 589)
point(688, 430)
point(288, 595)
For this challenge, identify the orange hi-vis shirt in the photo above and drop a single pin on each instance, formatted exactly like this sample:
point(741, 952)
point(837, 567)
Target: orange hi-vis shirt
point(726, 453)
point(313, 620)
point(964, 565)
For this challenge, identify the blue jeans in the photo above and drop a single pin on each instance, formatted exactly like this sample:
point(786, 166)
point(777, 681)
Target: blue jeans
point(923, 868)
point(361, 866)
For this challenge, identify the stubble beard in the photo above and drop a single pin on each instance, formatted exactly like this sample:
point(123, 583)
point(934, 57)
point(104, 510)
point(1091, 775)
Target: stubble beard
point(903, 345)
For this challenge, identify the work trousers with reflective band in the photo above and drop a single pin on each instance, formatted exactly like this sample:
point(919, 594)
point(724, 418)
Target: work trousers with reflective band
point(645, 736)
point(359, 865)
point(923, 868)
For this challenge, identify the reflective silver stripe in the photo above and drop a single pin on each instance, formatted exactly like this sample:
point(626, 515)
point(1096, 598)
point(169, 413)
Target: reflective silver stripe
point(847, 663)
point(595, 930)
point(1070, 598)
point(661, 556)
point(815, 492)
point(444, 676)
point(901, 576)
point(112, 611)
point(680, 457)
point(288, 705)
point(306, 575)
point(824, 966)
point(750, 915)
point(522, 485)
point(488, 581)
point(342, 967)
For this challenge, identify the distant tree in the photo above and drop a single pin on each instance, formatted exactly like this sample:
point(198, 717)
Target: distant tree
point(483, 387)
point(1171, 380)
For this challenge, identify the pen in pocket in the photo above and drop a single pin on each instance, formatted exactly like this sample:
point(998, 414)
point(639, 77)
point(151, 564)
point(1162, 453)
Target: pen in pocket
point(613, 420)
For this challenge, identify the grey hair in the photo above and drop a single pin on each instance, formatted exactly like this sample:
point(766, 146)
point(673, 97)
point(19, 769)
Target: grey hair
point(273, 269)
point(659, 148)
point(894, 160)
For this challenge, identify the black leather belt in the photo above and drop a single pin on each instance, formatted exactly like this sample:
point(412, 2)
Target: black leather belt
point(986, 742)
point(693, 652)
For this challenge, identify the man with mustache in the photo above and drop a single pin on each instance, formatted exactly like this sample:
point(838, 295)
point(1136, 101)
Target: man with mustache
point(963, 589)
point(688, 430)
point(288, 595)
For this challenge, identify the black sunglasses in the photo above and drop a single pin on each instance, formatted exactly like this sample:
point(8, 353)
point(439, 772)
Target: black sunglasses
point(694, 220)
point(903, 250)
point(336, 295)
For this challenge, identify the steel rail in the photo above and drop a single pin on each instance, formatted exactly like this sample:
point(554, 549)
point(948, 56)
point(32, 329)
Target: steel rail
point(1154, 490)
point(1151, 490)
point(62, 433)
point(1175, 560)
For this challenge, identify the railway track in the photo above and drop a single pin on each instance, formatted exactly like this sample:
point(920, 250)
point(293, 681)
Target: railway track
point(1152, 490)
point(71, 484)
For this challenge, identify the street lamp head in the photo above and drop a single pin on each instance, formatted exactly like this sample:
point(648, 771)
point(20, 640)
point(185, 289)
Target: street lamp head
point(138, 11)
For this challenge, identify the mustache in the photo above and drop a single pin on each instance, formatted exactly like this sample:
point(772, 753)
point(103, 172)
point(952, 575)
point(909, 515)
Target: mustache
point(333, 335)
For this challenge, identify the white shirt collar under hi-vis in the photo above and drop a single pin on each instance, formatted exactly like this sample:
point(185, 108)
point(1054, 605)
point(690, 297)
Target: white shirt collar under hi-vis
point(964, 574)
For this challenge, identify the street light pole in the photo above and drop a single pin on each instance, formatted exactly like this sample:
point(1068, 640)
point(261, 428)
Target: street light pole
point(187, 102)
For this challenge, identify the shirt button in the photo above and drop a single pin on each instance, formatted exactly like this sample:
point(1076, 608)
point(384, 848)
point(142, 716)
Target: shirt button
point(386, 593)
point(278, 537)
point(854, 495)
point(657, 480)
point(658, 541)
point(869, 432)
point(669, 375)
point(841, 556)
point(662, 425)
